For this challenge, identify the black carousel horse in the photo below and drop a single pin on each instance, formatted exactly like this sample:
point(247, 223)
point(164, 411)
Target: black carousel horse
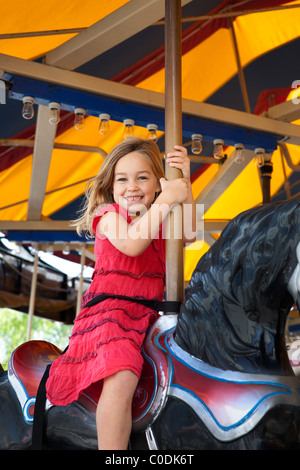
point(215, 377)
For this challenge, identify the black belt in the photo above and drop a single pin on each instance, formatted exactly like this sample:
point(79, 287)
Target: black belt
point(159, 306)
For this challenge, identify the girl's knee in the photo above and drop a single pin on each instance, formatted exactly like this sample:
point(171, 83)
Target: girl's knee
point(122, 383)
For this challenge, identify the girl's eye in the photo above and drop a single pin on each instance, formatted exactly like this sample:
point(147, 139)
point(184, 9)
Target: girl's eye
point(143, 177)
point(121, 179)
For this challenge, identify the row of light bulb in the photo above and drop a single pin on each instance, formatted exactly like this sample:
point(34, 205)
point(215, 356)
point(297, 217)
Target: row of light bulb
point(104, 129)
point(218, 151)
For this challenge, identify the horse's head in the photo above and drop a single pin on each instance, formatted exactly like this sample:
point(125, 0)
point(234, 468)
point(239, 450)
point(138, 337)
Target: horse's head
point(241, 292)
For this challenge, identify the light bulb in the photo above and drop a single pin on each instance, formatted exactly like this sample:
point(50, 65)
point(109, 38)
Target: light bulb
point(104, 124)
point(152, 128)
point(79, 118)
point(129, 130)
point(50, 248)
point(66, 250)
point(27, 110)
point(218, 149)
point(196, 144)
point(54, 116)
point(260, 157)
point(239, 154)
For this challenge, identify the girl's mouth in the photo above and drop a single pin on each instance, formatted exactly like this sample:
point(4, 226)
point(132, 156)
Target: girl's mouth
point(133, 198)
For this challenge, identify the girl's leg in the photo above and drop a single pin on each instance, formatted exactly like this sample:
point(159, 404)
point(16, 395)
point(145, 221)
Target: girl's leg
point(113, 417)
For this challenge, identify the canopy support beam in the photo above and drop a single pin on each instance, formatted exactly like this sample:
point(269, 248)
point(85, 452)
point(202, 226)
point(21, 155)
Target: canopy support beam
point(215, 226)
point(43, 146)
point(121, 24)
point(173, 136)
point(106, 88)
point(227, 173)
point(240, 68)
point(32, 293)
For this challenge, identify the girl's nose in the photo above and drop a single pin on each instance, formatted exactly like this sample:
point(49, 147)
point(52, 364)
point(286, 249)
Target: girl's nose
point(132, 186)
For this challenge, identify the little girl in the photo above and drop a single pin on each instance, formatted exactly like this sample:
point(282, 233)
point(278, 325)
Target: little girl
point(126, 205)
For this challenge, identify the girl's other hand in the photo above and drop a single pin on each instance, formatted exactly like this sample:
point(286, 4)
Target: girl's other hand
point(179, 159)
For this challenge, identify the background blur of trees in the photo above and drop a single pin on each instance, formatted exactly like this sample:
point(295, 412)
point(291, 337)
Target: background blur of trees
point(13, 332)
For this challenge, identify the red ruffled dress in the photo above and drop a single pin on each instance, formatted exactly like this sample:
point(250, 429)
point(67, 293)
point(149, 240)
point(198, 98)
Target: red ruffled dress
point(108, 336)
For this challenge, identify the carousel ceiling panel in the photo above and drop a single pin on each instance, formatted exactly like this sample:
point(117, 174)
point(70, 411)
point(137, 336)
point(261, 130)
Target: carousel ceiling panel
point(36, 28)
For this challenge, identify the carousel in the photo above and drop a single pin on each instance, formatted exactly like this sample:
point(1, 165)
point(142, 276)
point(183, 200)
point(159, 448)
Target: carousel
point(221, 362)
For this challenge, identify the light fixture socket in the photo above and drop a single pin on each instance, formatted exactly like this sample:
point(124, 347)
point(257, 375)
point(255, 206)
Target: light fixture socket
point(79, 111)
point(104, 117)
point(128, 122)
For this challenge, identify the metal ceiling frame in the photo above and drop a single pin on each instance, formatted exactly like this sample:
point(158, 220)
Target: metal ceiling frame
point(121, 24)
point(42, 152)
point(276, 128)
point(193, 112)
point(133, 17)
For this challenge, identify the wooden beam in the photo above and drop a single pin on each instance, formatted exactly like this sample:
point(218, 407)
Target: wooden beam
point(211, 226)
point(43, 146)
point(111, 30)
point(227, 173)
point(239, 67)
point(32, 293)
point(38, 225)
point(287, 111)
point(107, 88)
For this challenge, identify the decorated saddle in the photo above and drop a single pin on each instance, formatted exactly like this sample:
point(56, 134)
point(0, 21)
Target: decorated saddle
point(229, 403)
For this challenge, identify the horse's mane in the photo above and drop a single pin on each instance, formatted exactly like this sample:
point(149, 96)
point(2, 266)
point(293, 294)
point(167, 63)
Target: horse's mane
point(230, 316)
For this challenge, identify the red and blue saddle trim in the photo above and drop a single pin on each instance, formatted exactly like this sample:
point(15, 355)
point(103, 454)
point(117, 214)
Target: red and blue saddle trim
point(229, 403)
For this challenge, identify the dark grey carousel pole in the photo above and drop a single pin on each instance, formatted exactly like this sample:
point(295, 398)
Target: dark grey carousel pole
point(265, 167)
point(266, 175)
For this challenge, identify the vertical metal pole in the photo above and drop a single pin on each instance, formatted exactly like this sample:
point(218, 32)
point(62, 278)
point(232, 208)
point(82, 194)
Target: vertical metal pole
point(240, 68)
point(32, 293)
point(266, 175)
point(173, 136)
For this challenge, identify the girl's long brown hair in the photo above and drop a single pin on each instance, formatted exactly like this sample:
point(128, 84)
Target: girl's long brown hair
point(99, 189)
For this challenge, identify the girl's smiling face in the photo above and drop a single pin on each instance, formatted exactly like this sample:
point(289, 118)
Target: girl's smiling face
point(135, 183)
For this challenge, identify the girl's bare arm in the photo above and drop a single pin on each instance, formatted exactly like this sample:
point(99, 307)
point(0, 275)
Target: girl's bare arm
point(133, 239)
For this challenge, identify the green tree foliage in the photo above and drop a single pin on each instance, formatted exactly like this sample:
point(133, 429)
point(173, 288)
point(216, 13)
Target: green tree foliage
point(13, 332)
